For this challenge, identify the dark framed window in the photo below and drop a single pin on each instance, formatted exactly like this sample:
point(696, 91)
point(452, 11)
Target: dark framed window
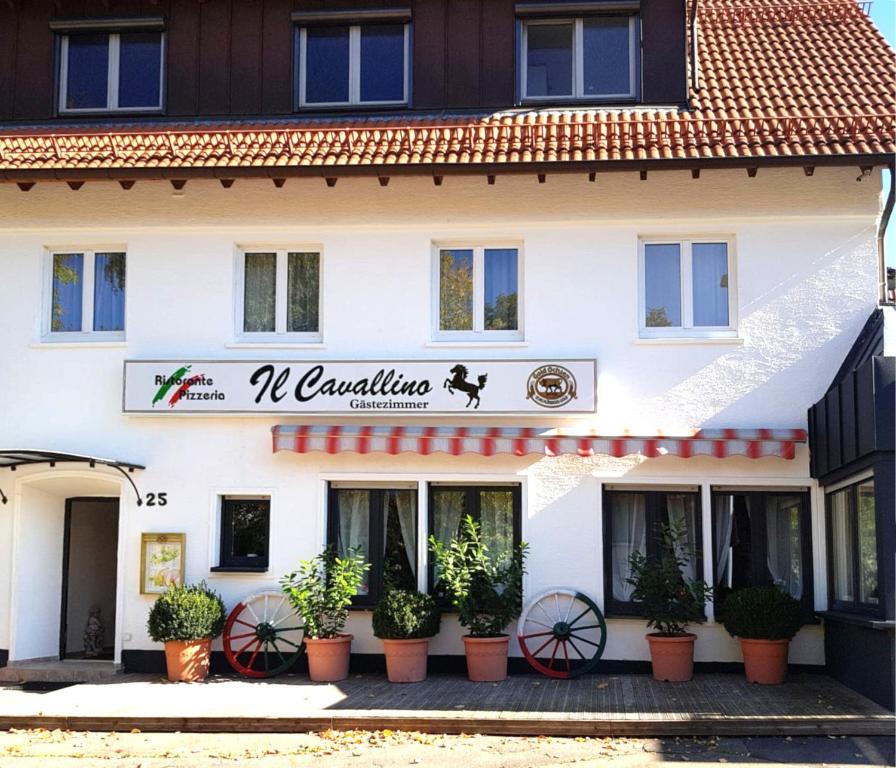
point(382, 523)
point(245, 534)
point(353, 64)
point(632, 521)
point(111, 71)
point(852, 549)
point(762, 538)
point(497, 509)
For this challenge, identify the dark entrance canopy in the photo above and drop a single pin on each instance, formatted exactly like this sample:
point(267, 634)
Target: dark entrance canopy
point(14, 458)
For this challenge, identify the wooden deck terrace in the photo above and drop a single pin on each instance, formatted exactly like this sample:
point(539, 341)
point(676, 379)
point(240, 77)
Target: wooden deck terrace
point(593, 705)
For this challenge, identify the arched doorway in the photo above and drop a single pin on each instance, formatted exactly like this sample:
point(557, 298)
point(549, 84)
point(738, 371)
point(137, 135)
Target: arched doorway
point(65, 562)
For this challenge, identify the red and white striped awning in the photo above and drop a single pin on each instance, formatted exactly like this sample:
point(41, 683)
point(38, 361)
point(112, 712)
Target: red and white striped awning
point(524, 441)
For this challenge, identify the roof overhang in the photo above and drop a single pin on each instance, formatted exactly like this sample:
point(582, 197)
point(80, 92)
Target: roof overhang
point(14, 458)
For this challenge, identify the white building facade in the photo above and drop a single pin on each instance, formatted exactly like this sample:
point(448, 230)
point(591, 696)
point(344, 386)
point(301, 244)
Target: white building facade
point(796, 277)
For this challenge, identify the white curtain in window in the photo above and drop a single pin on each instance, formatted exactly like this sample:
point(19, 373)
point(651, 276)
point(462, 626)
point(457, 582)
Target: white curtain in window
point(447, 514)
point(723, 524)
point(629, 527)
point(406, 505)
point(681, 512)
point(496, 519)
point(354, 524)
point(260, 292)
point(783, 544)
point(448, 509)
point(842, 557)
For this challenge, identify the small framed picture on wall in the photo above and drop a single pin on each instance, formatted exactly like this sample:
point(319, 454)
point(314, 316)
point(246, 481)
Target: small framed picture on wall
point(161, 562)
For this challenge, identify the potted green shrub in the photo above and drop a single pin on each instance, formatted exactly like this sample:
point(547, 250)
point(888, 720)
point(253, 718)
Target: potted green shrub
point(404, 621)
point(670, 603)
point(765, 619)
point(487, 594)
point(321, 591)
point(186, 618)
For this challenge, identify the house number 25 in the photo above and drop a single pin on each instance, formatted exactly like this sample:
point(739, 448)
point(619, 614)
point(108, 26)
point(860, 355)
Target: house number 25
point(156, 499)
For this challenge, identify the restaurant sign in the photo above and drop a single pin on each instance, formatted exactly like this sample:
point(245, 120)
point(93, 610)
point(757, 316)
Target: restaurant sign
point(415, 387)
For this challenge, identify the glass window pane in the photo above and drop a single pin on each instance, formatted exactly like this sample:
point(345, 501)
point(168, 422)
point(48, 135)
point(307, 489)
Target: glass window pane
point(87, 81)
point(842, 545)
point(139, 69)
point(249, 523)
point(868, 592)
point(400, 540)
point(496, 519)
point(628, 525)
point(456, 290)
point(710, 282)
point(681, 512)
point(326, 64)
point(449, 507)
point(606, 56)
point(353, 522)
point(784, 558)
point(549, 59)
point(108, 292)
point(68, 291)
point(501, 289)
point(382, 62)
point(302, 292)
point(260, 298)
point(662, 289)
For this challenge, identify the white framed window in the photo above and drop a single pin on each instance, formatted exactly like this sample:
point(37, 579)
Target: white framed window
point(353, 64)
point(687, 288)
point(111, 71)
point(591, 58)
point(477, 292)
point(84, 295)
point(278, 296)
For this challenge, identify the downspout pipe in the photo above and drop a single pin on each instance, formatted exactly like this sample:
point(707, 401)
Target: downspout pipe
point(881, 235)
point(695, 56)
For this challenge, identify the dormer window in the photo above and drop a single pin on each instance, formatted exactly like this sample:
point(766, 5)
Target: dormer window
point(353, 65)
point(589, 59)
point(111, 71)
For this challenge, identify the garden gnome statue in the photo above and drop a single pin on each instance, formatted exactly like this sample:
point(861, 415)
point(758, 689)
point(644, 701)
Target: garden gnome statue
point(93, 633)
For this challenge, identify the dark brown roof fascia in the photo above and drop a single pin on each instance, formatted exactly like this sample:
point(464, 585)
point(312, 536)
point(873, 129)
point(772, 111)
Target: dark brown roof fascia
point(445, 169)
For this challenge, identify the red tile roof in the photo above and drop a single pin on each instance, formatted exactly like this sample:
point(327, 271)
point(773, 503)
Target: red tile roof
point(782, 81)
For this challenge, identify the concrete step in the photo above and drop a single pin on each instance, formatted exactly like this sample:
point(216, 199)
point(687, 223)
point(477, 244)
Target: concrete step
point(59, 672)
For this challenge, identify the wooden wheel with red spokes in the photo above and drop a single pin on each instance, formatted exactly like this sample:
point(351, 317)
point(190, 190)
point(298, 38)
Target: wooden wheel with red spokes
point(562, 633)
point(263, 635)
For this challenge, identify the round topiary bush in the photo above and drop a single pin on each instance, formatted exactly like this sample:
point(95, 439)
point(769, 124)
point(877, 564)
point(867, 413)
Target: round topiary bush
point(185, 613)
point(761, 613)
point(404, 615)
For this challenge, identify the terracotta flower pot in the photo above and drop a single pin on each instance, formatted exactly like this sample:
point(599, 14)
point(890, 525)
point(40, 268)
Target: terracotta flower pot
point(187, 660)
point(672, 657)
point(765, 661)
point(328, 658)
point(406, 660)
point(486, 658)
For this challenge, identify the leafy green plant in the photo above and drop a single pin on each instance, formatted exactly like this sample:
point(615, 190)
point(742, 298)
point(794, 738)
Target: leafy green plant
point(406, 615)
point(486, 592)
point(762, 613)
point(190, 612)
point(670, 601)
point(321, 590)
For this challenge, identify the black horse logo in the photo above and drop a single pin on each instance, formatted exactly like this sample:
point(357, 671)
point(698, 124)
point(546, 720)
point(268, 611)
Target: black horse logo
point(459, 381)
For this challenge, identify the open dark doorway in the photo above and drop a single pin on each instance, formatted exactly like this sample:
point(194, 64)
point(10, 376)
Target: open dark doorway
point(89, 579)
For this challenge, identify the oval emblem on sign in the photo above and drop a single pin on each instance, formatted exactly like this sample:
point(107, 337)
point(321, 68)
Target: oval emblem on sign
point(551, 386)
